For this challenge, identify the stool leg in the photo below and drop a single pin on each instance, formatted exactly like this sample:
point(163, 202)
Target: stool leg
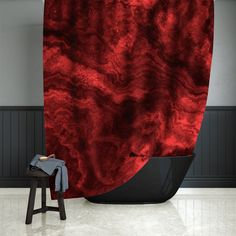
point(31, 201)
point(61, 205)
point(43, 194)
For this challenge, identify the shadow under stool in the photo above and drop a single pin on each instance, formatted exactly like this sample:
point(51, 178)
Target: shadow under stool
point(37, 176)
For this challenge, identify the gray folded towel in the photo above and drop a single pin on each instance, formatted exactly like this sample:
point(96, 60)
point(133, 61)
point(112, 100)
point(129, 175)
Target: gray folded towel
point(48, 166)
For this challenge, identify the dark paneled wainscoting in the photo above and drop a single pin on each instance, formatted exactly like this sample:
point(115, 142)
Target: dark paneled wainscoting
point(22, 136)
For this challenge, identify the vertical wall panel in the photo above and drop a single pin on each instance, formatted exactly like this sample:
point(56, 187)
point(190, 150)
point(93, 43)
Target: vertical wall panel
point(6, 156)
point(22, 142)
point(14, 158)
point(205, 147)
point(1, 143)
point(230, 141)
point(38, 135)
point(222, 141)
point(213, 133)
point(44, 144)
point(30, 135)
point(234, 142)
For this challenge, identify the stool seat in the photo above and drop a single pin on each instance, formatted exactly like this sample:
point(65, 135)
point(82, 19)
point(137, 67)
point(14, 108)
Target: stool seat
point(36, 172)
point(37, 176)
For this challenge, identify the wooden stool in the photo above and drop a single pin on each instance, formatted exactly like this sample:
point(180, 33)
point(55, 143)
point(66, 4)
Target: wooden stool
point(39, 176)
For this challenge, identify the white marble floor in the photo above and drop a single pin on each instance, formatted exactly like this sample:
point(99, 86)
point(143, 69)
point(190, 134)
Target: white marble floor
point(198, 212)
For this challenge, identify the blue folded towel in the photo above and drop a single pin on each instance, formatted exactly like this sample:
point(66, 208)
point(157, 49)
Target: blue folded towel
point(48, 166)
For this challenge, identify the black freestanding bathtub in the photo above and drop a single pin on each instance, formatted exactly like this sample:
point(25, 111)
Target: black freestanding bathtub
point(156, 182)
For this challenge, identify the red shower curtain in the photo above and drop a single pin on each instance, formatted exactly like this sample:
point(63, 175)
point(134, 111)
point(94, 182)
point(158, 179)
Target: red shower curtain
point(124, 80)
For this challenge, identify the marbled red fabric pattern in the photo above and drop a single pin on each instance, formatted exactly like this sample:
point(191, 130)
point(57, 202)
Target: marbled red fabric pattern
point(124, 80)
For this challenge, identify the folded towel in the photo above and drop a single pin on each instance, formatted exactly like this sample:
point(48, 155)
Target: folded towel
point(48, 165)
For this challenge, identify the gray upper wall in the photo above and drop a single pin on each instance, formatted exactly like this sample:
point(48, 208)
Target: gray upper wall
point(21, 69)
point(223, 73)
point(21, 30)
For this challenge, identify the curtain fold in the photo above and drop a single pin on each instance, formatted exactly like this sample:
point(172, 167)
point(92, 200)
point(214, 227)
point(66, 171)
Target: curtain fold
point(124, 80)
